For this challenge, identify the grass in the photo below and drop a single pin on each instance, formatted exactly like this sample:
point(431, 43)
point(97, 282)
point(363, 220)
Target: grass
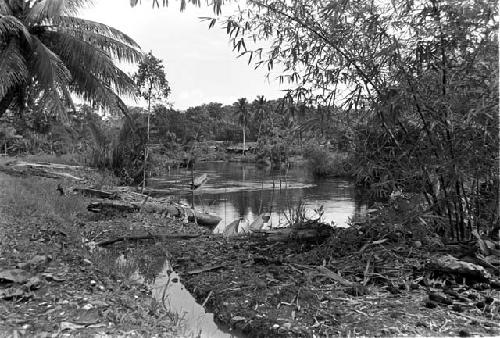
point(69, 159)
point(29, 197)
point(36, 219)
point(37, 200)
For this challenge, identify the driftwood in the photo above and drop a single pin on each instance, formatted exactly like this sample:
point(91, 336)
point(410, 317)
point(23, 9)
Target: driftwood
point(205, 269)
point(312, 232)
point(450, 264)
point(151, 207)
point(97, 193)
point(46, 165)
point(110, 206)
point(24, 169)
point(146, 236)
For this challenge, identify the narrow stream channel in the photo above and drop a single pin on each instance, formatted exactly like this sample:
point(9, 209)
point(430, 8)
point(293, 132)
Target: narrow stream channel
point(157, 273)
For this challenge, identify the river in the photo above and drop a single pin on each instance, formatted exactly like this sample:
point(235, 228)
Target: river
point(233, 191)
point(242, 190)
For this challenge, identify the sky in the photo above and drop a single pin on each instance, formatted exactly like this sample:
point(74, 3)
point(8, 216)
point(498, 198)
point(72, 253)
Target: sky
point(200, 64)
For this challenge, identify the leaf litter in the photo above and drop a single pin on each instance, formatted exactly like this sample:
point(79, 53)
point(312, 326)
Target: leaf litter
point(372, 279)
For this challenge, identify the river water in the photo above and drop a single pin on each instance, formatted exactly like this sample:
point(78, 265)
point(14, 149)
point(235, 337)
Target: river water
point(233, 191)
point(241, 190)
point(155, 271)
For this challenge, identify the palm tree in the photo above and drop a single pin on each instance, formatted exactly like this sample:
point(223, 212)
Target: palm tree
point(47, 54)
point(260, 112)
point(243, 115)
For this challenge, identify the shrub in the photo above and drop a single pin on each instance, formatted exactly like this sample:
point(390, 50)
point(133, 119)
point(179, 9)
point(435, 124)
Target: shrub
point(325, 163)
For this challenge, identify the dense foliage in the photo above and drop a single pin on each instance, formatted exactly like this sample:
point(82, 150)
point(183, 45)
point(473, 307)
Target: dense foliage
point(46, 54)
point(424, 76)
point(409, 88)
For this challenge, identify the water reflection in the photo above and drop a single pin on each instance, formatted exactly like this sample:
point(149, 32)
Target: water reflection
point(236, 190)
point(155, 271)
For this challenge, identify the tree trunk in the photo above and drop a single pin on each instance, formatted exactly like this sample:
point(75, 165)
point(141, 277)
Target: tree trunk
point(6, 100)
point(201, 218)
point(146, 150)
point(244, 141)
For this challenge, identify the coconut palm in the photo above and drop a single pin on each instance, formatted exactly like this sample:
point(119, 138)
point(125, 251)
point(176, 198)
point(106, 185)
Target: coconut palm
point(243, 116)
point(260, 112)
point(47, 54)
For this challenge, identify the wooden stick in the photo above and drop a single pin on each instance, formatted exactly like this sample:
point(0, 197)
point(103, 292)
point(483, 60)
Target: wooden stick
point(146, 236)
point(206, 299)
point(205, 269)
point(335, 276)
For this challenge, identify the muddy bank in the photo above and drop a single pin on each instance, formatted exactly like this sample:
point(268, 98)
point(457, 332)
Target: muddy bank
point(372, 279)
point(295, 289)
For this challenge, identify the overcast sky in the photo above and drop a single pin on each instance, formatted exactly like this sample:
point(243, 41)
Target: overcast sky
point(200, 64)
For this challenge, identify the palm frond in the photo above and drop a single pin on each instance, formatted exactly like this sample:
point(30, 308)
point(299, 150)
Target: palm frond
point(99, 137)
point(11, 26)
point(93, 90)
point(5, 8)
point(47, 67)
point(96, 27)
point(69, 99)
point(117, 49)
point(13, 68)
point(51, 9)
point(50, 101)
point(80, 57)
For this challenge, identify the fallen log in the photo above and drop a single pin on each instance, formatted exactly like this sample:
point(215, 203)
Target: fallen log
point(112, 206)
point(310, 232)
point(25, 171)
point(97, 193)
point(146, 236)
point(150, 207)
point(162, 192)
point(44, 165)
point(450, 264)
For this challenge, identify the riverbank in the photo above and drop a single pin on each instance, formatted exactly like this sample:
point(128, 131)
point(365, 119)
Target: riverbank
point(52, 282)
point(350, 285)
point(372, 279)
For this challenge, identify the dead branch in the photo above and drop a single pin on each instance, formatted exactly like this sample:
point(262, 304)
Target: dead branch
point(146, 236)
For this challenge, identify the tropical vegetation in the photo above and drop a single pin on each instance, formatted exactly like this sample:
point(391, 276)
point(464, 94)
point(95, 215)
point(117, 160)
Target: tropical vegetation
point(48, 55)
point(423, 75)
point(408, 88)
